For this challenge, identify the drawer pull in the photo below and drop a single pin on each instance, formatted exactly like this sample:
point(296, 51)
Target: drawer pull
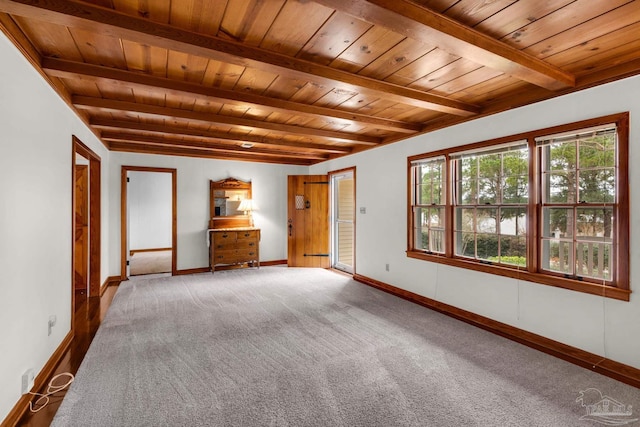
point(247, 234)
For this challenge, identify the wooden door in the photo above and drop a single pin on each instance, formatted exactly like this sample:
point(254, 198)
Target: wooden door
point(308, 221)
point(81, 261)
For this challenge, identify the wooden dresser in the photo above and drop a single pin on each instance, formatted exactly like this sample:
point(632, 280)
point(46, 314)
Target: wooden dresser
point(237, 247)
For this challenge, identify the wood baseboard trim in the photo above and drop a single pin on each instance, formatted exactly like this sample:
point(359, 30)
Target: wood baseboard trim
point(135, 251)
point(40, 383)
point(110, 281)
point(610, 368)
point(274, 262)
point(192, 271)
point(341, 272)
point(226, 267)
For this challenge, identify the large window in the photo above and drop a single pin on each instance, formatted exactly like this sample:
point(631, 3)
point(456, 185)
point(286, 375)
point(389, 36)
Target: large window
point(547, 206)
point(491, 199)
point(429, 204)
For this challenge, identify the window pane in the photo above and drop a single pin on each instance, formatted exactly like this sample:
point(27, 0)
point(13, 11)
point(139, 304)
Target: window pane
point(467, 184)
point(557, 223)
point(345, 248)
point(594, 223)
point(488, 191)
point(429, 231)
point(430, 188)
point(598, 152)
point(435, 217)
point(465, 244)
point(465, 219)
point(516, 162)
point(560, 187)
point(557, 255)
point(597, 185)
point(421, 228)
point(513, 221)
point(487, 246)
point(515, 189)
point(490, 166)
point(513, 251)
point(467, 191)
point(593, 259)
point(560, 156)
point(486, 220)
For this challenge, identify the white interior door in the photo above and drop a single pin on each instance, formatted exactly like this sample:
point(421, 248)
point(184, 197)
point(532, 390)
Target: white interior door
point(343, 221)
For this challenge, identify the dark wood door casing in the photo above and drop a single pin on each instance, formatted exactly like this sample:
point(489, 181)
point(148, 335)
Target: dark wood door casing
point(81, 257)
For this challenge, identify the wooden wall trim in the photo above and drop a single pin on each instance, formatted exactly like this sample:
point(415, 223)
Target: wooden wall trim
point(610, 368)
point(110, 281)
point(40, 383)
point(95, 212)
point(273, 262)
point(208, 269)
point(192, 271)
point(137, 251)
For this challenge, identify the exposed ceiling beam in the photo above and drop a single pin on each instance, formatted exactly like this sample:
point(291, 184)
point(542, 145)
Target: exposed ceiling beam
point(134, 147)
point(116, 24)
point(208, 146)
point(116, 126)
point(420, 23)
point(86, 102)
point(71, 69)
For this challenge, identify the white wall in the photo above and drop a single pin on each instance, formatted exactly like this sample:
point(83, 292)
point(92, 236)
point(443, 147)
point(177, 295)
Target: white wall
point(150, 210)
point(269, 190)
point(36, 129)
point(603, 326)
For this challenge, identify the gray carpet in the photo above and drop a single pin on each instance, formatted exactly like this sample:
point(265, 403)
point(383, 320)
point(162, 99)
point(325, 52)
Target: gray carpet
point(307, 347)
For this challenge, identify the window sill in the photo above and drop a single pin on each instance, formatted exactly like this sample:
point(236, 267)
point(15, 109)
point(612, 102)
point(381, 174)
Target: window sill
point(559, 282)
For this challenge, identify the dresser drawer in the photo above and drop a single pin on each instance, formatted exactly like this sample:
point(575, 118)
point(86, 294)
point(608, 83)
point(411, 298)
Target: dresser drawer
point(224, 245)
point(246, 244)
point(225, 257)
point(245, 254)
point(227, 237)
point(247, 235)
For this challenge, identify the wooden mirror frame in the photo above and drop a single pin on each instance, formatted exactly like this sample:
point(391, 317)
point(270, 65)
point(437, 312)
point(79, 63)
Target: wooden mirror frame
point(231, 221)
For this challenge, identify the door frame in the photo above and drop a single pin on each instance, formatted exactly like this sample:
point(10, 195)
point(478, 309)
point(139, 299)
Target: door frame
point(331, 174)
point(82, 248)
point(95, 196)
point(124, 218)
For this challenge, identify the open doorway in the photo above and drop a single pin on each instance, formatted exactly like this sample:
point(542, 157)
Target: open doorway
point(148, 221)
point(343, 202)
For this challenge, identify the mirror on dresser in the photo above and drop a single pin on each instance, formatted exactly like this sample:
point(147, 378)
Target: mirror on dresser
point(233, 241)
point(225, 197)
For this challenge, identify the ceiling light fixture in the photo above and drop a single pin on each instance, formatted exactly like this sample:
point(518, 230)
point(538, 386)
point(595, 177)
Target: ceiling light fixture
point(246, 145)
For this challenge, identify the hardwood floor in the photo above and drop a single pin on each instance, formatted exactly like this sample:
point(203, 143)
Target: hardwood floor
point(89, 313)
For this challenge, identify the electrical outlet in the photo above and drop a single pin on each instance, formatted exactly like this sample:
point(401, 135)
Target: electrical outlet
point(28, 380)
point(52, 322)
point(386, 267)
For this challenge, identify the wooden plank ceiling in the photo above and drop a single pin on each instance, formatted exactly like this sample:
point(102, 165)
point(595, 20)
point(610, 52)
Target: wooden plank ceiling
point(302, 81)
